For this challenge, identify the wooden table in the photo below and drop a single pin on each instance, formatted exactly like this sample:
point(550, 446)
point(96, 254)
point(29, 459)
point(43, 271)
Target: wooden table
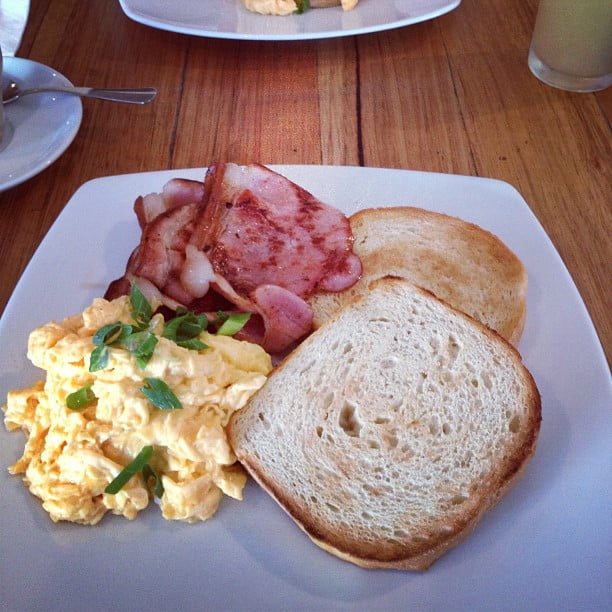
point(449, 95)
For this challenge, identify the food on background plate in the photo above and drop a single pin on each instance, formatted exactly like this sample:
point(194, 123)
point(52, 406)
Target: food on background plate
point(247, 239)
point(288, 7)
point(459, 262)
point(406, 422)
point(127, 393)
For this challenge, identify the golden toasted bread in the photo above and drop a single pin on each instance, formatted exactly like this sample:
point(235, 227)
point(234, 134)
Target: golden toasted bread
point(459, 262)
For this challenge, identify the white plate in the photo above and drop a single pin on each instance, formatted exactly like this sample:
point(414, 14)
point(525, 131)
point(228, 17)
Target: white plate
point(37, 128)
point(230, 19)
point(545, 546)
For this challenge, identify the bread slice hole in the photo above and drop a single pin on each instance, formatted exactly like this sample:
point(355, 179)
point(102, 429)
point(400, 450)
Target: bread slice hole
point(435, 345)
point(349, 420)
point(467, 459)
point(395, 405)
point(457, 500)
point(434, 425)
point(388, 363)
point(329, 398)
point(421, 382)
point(407, 451)
point(391, 440)
point(263, 419)
point(377, 491)
point(319, 431)
point(515, 424)
point(453, 348)
point(381, 420)
point(486, 380)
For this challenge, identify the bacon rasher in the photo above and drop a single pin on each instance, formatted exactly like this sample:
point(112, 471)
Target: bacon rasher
point(247, 237)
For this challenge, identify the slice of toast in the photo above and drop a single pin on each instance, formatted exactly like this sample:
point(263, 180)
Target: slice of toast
point(390, 430)
point(459, 262)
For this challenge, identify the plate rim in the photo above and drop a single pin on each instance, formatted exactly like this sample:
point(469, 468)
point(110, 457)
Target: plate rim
point(155, 22)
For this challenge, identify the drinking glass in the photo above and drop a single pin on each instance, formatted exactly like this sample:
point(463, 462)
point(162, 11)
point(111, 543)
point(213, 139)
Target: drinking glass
point(571, 46)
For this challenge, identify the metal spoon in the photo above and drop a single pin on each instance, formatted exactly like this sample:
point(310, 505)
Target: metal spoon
point(134, 96)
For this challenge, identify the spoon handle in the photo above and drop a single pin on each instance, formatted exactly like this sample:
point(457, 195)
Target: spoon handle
point(133, 96)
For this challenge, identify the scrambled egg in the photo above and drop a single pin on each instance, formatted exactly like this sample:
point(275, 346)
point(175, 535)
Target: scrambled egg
point(271, 7)
point(72, 455)
point(284, 7)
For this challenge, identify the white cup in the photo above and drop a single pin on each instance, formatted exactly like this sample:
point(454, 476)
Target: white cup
point(571, 46)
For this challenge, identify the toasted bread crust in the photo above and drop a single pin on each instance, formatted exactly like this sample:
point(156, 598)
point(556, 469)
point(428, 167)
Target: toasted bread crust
point(425, 540)
point(461, 263)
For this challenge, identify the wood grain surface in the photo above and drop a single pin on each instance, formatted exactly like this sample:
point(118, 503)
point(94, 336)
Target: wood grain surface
point(449, 95)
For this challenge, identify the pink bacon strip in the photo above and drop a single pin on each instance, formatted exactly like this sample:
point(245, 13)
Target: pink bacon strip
point(249, 235)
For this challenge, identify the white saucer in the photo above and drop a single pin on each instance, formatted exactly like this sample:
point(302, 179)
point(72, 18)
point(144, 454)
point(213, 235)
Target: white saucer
point(37, 128)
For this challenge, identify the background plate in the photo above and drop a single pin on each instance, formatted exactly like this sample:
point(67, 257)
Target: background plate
point(545, 546)
point(38, 128)
point(229, 18)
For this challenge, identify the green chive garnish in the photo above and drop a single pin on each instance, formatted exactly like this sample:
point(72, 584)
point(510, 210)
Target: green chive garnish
point(185, 329)
point(142, 311)
point(149, 473)
point(99, 358)
point(141, 345)
point(81, 398)
point(160, 394)
point(141, 459)
point(232, 323)
point(113, 333)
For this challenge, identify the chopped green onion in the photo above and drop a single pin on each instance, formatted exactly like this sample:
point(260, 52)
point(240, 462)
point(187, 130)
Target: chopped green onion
point(160, 394)
point(149, 473)
point(194, 344)
point(142, 309)
point(99, 358)
point(232, 323)
point(302, 5)
point(141, 345)
point(107, 335)
point(80, 398)
point(113, 333)
point(185, 329)
point(132, 468)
